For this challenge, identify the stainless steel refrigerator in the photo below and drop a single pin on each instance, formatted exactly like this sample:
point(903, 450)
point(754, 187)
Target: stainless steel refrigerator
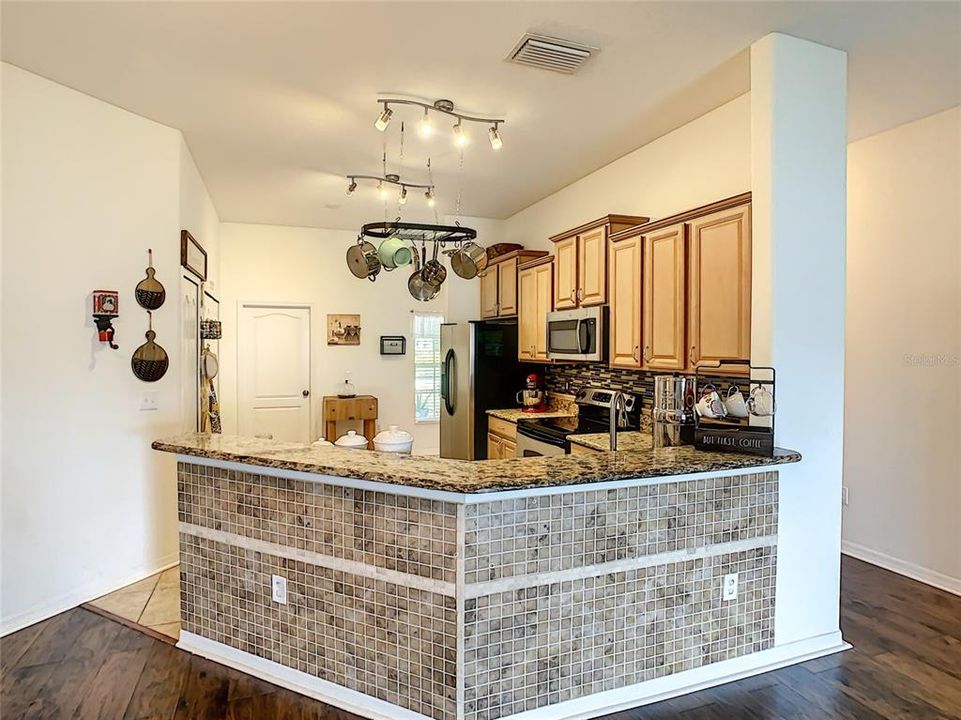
point(479, 371)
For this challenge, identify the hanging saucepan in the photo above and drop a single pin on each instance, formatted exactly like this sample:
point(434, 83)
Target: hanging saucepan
point(468, 260)
point(434, 272)
point(362, 260)
point(149, 292)
point(419, 289)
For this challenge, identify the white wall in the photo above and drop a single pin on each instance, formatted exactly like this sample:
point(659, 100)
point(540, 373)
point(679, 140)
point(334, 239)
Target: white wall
point(265, 263)
point(903, 381)
point(706, 160)
point(87, 506)
point(199, 216)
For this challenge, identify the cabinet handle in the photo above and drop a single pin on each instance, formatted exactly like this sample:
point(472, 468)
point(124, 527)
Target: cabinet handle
point(690, 356)
point(580, 294)
point(574, 296)
point(634, 352)
point(647, 354)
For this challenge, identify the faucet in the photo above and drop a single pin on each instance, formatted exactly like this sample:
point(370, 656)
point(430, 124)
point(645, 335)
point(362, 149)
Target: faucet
point(618, 415)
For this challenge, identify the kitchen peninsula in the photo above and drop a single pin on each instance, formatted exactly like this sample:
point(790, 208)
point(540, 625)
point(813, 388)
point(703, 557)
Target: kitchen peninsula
point(417, 587)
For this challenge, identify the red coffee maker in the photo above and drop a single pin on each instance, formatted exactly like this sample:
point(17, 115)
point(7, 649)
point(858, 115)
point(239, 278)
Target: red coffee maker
point(532, 397)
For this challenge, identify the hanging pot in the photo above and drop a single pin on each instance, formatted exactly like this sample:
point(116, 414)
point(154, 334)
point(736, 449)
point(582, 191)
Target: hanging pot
point(434, 272)
point(149, 292)
point(419, 289)
point(362, 260)
point(468, 260)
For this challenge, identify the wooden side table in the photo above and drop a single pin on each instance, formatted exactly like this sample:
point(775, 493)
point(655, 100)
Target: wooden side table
point(361, 407)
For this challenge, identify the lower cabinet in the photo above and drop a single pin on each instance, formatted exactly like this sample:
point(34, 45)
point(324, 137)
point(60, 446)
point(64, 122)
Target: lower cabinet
point(501, 439)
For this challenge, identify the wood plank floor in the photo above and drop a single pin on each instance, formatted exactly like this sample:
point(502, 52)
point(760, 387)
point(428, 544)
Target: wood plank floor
point(906, 664)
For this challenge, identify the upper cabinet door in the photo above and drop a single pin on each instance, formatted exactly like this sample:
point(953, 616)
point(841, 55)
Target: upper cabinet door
point(527, 314)
point(665, 298)
point(625, 311)
point(592, 267)
point(565, 273)
point(488, 292)
point(719, 305)
point(545, 303)
point(507, 287)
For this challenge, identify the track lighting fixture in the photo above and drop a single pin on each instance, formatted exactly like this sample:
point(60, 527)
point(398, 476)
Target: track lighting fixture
point(446, 107)
point(495, 138)
point(383, 120)
point(383, 187)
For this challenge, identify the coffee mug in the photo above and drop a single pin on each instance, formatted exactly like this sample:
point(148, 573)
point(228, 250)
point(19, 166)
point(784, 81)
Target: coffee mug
point(735, 404)
point(710, 405)
point(393, 253)
point(761, 402)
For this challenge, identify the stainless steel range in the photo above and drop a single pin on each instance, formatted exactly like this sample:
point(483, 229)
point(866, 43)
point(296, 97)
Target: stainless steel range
point(548, 436)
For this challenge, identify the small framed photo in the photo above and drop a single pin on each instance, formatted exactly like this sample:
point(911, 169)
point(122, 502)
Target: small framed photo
point(393, 345)
point(192, 255)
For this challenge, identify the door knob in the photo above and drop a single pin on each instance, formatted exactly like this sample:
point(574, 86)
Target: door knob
point(306, 393)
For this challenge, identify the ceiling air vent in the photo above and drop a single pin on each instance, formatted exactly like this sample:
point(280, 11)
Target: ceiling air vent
point(550, 53)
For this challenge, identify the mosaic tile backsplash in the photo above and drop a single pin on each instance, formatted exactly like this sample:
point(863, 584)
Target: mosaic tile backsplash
point(536, 646)
point(395, 643)
point(552, 533)
point(396, 532)
point(569, 378)
point(557, 596)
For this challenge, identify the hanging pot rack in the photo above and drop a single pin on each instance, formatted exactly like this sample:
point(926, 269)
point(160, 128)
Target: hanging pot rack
point(417, 232)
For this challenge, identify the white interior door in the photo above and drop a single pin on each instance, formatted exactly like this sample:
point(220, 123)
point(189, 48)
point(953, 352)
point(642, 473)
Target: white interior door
point(273, 364)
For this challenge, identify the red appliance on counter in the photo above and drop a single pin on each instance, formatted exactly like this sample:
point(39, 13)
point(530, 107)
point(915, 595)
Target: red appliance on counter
point(533, 397)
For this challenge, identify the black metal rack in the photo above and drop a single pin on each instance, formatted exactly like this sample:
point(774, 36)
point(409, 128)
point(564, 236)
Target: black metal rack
point(735, 434)
point(418, 232)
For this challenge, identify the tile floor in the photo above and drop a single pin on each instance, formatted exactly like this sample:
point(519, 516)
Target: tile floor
point(153, 602)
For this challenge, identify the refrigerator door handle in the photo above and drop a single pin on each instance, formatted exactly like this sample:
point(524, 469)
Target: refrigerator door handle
point(447, 373)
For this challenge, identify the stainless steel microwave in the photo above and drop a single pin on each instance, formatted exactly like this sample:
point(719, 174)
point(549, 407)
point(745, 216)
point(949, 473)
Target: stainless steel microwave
point(579, 334)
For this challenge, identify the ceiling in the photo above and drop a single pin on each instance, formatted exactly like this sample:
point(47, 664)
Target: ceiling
point(277, 100)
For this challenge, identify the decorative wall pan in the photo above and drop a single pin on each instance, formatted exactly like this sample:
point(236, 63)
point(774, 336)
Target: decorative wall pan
point(149, 292)
point(149, 362)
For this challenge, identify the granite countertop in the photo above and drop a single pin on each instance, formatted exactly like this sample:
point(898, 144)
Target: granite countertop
point(461, 476)
point(629, 441)
point(515, 414)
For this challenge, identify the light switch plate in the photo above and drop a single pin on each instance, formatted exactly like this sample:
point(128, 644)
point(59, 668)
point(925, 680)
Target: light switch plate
point(150, 401)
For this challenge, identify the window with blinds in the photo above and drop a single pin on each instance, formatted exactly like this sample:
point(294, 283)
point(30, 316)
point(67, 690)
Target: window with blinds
point(427, 366)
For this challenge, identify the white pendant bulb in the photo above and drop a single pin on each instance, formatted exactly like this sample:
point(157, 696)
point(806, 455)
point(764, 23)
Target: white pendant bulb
point(494, 136)
point(383, 120)
point(460, 137)
point(383, 190)
point(430, 197)
point(426, 129)
point(402, 198)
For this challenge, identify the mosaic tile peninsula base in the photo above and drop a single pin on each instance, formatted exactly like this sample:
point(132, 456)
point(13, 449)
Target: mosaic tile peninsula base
point(483, 606)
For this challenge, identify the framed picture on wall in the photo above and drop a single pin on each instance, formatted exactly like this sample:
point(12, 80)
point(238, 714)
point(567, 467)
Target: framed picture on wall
point(192, 255)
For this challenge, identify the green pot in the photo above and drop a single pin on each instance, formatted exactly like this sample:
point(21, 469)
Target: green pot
point(394, 253)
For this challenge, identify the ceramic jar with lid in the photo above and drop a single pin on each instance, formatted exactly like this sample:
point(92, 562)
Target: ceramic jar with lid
point(352, 441)
point(394, 440)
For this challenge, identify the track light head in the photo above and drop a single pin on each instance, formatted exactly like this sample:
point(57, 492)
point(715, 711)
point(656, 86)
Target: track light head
point(351, 187)
point(494, 136)
point(402, 198)
point(460, 137)
point(426, 129)
point(383, 120)
point(430, 197)
point(382, 189)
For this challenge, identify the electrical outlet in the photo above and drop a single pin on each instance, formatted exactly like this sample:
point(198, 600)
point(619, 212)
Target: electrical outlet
point(278, 589)
point(150, 401)
point(844, 495)
point(730, 587)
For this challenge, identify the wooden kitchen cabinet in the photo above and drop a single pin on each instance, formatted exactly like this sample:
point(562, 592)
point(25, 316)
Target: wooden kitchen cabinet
point(535, 282)
point(580, 261)
point(498, 283)
point(664, 300)
point(719, 286)
point(488, 292)
point(625, 309)
point(501, 439)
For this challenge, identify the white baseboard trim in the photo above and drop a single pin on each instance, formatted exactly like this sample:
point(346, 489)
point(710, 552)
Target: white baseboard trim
point(902, 567)
point(328, 692)
point(82, 594)
point(580, 709)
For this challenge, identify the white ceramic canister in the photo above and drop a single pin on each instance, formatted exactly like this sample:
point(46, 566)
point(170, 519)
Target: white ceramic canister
point(394, 440)
point(352, 441)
